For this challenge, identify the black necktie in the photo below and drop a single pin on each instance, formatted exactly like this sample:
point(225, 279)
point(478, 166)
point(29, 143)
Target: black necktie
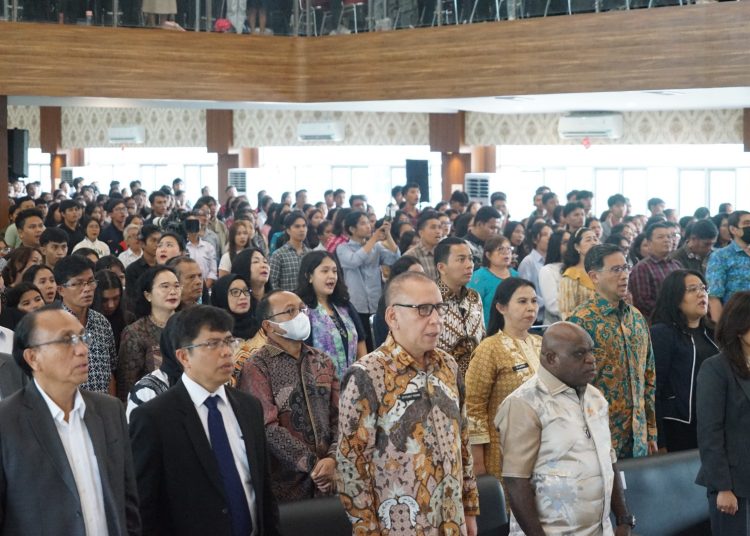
point(242, 523)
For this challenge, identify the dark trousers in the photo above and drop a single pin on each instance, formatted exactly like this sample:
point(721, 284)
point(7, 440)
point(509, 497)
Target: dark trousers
point(679, 435)
point(726, 525)
point(365, 319)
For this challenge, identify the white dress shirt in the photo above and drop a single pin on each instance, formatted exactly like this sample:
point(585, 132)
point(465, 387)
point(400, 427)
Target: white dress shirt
point(127, 257)
point(6, 340)
point(205, 255)
point(198, 395)
point(80, 453)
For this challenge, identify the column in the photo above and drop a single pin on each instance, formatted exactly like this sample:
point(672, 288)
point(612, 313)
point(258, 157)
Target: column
point(4, 199)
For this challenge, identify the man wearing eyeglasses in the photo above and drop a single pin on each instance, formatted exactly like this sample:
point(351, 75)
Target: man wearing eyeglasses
point(66, 460)
point(299, 390)
point(76, 285)
point(622, 346)
point(199, 449)
point(404, 463)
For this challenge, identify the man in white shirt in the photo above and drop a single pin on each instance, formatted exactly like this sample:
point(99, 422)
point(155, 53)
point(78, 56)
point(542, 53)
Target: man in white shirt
point(134, 251)
point(216, 480)
point(66, 461)
point(201, 251)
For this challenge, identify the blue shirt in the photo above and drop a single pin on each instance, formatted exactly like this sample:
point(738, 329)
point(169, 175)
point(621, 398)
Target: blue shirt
point(728, 272)
point(485, 283)
point(529, 270)
point(362, 273)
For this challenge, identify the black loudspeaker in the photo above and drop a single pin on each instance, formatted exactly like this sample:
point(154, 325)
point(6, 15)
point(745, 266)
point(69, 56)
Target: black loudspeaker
point(419, 171)
point(18, 153)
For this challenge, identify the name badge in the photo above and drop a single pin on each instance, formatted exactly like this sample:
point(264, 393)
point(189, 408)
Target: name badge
point(410, 397)
point(519, 368)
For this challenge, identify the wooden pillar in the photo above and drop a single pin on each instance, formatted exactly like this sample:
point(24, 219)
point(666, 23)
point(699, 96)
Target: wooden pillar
point(455, 166)
point(219, 140)
point(746, 129)
point(447, 138)
point(483, 159)
point(4, 198)
point(50, 138)
point(249, 157)
point(75, 157)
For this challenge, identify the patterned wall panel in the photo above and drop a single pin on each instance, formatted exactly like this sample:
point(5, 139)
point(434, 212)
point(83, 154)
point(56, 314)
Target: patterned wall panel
point(668, 127)
point(259, 128)
point(165, 127)
point(27, 118)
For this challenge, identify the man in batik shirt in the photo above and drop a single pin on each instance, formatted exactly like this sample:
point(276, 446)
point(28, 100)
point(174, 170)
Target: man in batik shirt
point(558, 462)
point(624, 357)
point(464, 320)
point(403, 461)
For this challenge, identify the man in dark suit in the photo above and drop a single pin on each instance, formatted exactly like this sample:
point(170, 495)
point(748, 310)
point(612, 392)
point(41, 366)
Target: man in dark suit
point(200, 449)
point(12, 378)
point(65, 459)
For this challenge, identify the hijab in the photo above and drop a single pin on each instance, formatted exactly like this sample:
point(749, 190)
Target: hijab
point(245, 326)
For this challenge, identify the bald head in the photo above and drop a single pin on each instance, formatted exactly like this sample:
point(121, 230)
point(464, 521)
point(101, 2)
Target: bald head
point(568, 354)
point(397, 286)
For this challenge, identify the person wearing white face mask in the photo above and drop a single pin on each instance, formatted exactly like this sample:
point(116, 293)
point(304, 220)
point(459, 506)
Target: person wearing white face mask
point(299, 390)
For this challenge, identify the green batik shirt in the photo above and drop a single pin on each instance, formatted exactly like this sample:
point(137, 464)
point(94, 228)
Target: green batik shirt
point(625, 371)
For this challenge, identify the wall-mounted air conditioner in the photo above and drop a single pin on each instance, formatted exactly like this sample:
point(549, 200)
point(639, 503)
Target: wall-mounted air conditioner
point(320, 131)
point(477, 187)
point(67, 174)
point(580, 125)
point(131, 135)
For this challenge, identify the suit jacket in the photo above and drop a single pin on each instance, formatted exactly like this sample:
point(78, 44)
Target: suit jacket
point(12, 378)
point(723, 404)
point(38, 493)
point(178, 478)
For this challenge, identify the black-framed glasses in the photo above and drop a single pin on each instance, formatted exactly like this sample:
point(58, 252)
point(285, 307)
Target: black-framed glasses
point(237, 292)
point(292, 312)
point(70, 340)
point(80, 285)
point(425, 309)
point(213, 344)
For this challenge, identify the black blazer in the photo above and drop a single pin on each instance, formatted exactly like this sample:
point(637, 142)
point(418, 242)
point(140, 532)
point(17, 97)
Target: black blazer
point(38, 493)
point(178, 478)
point(723, 405)
point(12, 378)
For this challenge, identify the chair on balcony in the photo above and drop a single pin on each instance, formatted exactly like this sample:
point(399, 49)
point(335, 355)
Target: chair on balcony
point(352, 6)
point(443, 10)
point(319, 9)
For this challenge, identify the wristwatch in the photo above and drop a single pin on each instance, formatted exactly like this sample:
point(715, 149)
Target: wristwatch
point(626, 520)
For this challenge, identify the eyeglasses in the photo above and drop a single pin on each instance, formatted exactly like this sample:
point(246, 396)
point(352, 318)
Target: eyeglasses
point(70, 340)
point(292, 312)
point(166, 287)
point(80, 285)
point(696, 289)
point(617, 270)
point(505, 249)
point(214, 344)
point(425, 309)
point(237, 292)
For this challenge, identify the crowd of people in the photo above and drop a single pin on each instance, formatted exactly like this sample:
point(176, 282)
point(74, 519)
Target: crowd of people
point(267, 351)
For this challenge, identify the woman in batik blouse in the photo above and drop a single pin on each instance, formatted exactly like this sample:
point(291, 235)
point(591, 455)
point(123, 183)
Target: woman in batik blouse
point(502, 362)
point(576, 286)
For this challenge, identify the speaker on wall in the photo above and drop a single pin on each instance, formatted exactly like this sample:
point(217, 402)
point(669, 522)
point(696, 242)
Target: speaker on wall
point(18, 152)
point(419, 171)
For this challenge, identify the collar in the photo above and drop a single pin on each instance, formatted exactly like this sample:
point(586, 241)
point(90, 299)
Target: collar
point(736, 248)
point(580, 275)
point(607, 308)
point(553, 384)
point(687, 253)
point(448, 294)
point(654, 260)
point(199, 394)
point(79, 406)
point(404, 359)
point(88, 313)
point(272, 350)
point(427, 252)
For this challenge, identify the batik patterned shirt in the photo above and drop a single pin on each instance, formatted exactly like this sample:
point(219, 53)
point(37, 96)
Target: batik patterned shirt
point(626, 372)
point(463, 324)
point(404, 463)
point(102, 352)
point(576, 287)
point(300, 398)
point(728, 272)
point(558, 438)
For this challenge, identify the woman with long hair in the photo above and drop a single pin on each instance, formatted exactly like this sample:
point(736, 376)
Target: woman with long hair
point(724, 238)
point(253, 266)
point(335, 325)
point(723, 410)
point(42, 277)
point(496, 267)
point(239, 239)
point(340, 234)
point(159, 292)
point(170, 245)
point(515, 232)
point(18, 261)
point(503, 361)
point(576, 286)
point(681, 343)
point(551, 273)
point(53, 218)
point(109, 300)
point(314, 217)
point(20, 300)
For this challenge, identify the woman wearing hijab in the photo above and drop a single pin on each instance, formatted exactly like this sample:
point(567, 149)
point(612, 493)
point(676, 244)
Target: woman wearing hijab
point(230, 293)
point(155, 383)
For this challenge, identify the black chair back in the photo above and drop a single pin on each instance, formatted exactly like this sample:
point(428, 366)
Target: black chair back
point(493, 519)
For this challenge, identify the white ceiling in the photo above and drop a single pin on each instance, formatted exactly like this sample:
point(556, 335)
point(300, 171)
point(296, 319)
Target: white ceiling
point(683, 99)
